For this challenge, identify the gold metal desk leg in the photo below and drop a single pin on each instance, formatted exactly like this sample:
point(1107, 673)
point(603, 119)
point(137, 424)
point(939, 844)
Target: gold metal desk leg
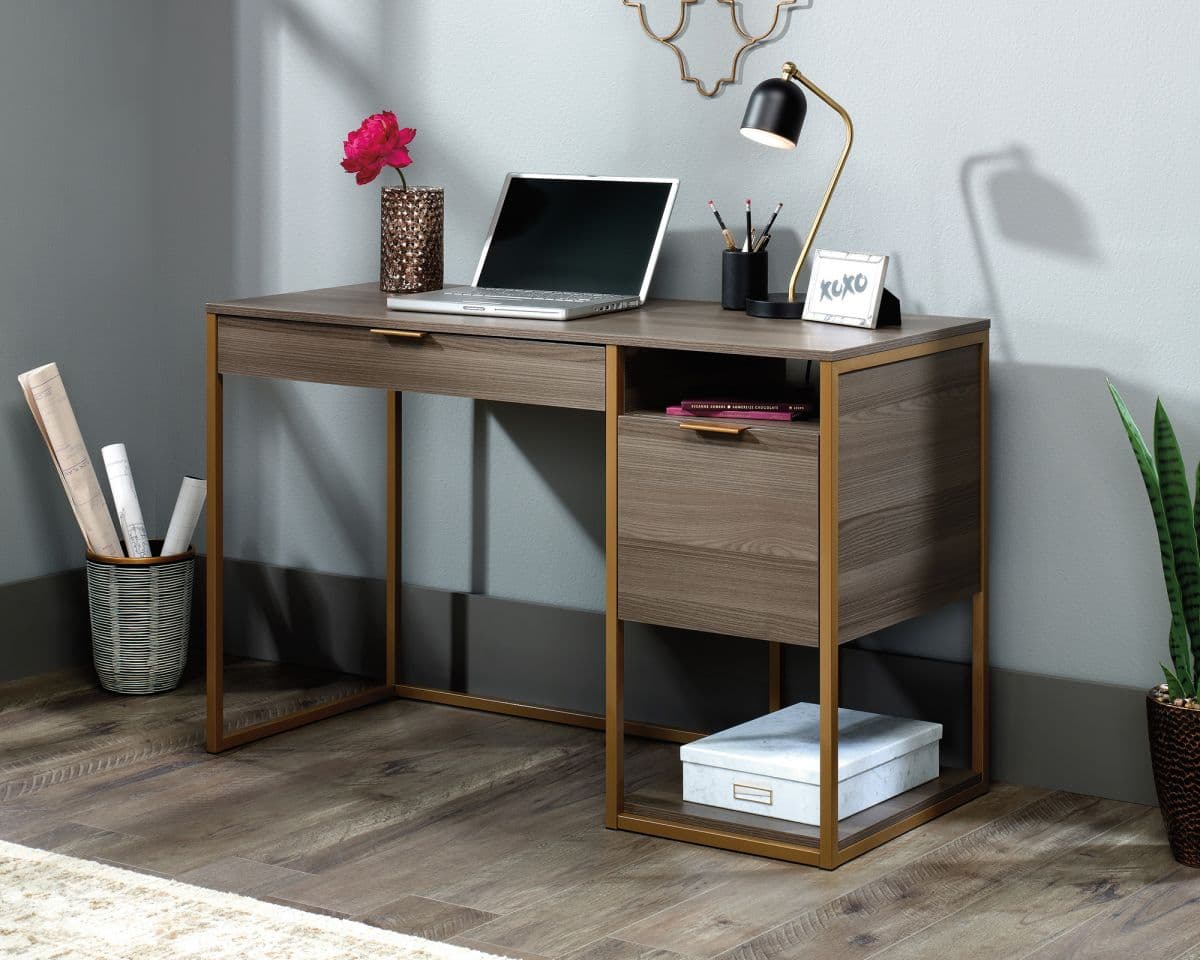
point(828, 612)
point(395, 428)
point(215, 558)
point(216, 739)
point(774, 676)
point(979, 603)
point(614, 631)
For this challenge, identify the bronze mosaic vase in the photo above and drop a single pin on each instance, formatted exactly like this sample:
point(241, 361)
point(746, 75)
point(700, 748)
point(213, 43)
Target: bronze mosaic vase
point(1175, 758)
point(410, 239)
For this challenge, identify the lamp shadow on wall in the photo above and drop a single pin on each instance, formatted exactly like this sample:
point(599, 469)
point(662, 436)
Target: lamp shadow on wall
point(1028, 207)
point(1042, 524)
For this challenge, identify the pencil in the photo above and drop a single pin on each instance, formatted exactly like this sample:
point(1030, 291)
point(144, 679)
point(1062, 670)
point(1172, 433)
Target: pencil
point(749, 226)
point(729, 244)
point(766, 234)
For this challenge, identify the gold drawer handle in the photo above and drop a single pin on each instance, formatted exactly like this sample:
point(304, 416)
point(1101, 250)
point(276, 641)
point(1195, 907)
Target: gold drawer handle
point(722, 428)
point(406, 334)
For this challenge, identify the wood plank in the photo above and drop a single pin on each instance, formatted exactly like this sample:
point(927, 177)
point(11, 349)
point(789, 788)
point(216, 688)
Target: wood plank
point(579, 915)
point(733, 913)
point(70, 839)
point(710, 528)
point(436, 804)
point(1035, 909)
point(890, 908)
point(609, 948)
point(490, 948)
point(461, 833)
point(422, 917)
point(672, 324)
point(239, 875)
point(89, 732)
point(537, 870)
point(1162, 919)
point(908, 489)
point(518, 371)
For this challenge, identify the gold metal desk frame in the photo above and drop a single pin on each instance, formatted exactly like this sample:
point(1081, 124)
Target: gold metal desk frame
point(356, 315)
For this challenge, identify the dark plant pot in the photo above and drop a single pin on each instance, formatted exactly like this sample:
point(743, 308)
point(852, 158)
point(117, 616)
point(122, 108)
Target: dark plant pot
point(410, 239)
point(1175, 757)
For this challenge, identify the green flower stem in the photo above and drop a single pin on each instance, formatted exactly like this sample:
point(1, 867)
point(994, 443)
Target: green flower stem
point(403, 182)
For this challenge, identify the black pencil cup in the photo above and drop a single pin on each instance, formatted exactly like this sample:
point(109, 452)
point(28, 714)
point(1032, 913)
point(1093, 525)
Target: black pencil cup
point(743, 277)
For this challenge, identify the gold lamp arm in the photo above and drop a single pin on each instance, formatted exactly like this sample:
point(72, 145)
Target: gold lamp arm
point(791, 73)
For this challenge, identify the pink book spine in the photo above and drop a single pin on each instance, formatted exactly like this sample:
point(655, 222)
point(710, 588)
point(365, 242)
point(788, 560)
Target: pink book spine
point(678, 411)
point(765, 406)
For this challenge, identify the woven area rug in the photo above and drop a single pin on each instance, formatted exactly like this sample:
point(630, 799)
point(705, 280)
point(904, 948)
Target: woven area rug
point(59, 907)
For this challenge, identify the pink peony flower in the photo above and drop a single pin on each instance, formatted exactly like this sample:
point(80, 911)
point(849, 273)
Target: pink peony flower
point(379, 142)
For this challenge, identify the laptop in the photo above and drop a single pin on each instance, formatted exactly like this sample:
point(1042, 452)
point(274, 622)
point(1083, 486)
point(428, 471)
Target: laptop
point(561, 248)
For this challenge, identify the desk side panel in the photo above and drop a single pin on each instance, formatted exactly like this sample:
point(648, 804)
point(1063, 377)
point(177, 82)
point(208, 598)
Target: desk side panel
point(486, 368)
point(908, 489)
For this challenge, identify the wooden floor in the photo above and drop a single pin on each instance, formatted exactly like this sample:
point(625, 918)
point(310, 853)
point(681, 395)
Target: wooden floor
point(486, 831)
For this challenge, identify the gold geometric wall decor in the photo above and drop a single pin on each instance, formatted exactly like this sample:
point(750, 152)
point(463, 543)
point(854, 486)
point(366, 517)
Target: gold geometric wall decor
point(749, 40)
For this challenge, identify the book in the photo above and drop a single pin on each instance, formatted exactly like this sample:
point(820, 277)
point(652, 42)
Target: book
point(801, 407)
point(679, 411)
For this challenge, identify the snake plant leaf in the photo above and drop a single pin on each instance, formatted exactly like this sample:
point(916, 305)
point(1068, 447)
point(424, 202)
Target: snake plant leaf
point(1181, 652)
point(1181, 522)
point(1174, 687)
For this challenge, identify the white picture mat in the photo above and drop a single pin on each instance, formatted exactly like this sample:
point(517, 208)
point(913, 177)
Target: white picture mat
point(827, 300)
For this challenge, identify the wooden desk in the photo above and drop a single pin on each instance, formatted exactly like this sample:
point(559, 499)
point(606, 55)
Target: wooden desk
point(812, 533)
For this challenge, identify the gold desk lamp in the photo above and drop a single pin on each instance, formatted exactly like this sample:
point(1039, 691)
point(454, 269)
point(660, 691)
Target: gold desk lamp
point(774, 117)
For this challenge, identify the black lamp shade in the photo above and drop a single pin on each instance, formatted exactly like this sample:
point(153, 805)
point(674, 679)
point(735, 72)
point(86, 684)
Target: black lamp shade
point(775, 113)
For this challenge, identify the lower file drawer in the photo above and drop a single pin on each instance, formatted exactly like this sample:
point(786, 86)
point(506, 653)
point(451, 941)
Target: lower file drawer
point(718, 531)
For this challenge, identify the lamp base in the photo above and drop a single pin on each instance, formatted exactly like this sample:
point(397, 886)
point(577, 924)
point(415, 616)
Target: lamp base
point(776, 306)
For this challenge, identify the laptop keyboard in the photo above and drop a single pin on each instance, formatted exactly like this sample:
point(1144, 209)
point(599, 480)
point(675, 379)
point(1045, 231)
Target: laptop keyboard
point(550, 296)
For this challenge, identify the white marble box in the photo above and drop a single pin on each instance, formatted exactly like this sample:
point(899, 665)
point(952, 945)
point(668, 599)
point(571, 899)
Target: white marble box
point(771, 765)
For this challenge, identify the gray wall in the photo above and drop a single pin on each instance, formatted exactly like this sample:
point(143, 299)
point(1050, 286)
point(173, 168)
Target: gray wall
point(76, 254)
point(1029, 162)
point(115, 225)
point(1012, 168)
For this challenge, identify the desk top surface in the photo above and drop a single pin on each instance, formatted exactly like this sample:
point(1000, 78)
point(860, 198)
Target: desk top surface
point(670, 324)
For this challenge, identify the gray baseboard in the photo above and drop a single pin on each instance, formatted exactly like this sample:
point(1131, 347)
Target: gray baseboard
point(44, 625)
point(1062, 734)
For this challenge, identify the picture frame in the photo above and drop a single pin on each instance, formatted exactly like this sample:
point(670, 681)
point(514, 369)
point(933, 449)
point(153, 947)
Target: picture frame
point(847, 289)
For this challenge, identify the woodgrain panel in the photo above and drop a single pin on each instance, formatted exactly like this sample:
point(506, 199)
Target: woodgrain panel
point(518, 371)
point(719, 533)
point(908, 489)
point(663, 797)
point(675, 324)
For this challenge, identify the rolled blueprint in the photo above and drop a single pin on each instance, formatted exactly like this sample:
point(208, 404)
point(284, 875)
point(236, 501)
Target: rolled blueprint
point(51, 408)
point(187, 511)
point(125, 499)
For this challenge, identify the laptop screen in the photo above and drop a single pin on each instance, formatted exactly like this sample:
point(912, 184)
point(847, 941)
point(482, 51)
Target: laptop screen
point(589, 236)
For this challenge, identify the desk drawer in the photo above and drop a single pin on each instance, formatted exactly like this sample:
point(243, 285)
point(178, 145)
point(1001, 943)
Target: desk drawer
point(487, 368)
point(718, 532)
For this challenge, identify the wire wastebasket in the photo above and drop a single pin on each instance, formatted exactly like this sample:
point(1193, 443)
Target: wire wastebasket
point(140, 611)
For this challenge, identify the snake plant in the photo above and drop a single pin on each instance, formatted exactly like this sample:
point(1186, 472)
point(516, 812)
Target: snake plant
point(1177, 521)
